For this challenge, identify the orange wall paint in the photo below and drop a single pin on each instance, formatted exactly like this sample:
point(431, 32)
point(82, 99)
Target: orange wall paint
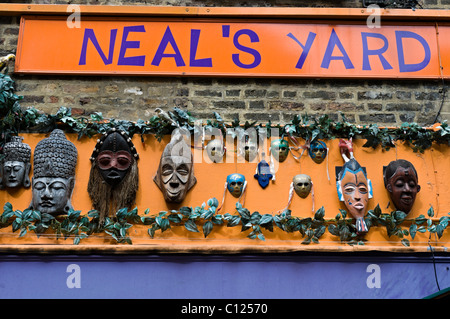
point(432, 166)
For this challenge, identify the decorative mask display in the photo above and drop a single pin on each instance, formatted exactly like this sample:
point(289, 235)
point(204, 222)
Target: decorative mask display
point(401, 181)
point(302, 185)
point(235, 184)
point(250, 149)
point(175, 175)
point(318, 151)
point(215, 150)
point(355, 190)
point(55, 159)
point(263, 173)
point(279, 149)
point(114, 176)
point(16, 164)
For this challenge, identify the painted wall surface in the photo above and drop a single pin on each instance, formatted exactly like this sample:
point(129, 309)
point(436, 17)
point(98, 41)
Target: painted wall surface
point(222, 277)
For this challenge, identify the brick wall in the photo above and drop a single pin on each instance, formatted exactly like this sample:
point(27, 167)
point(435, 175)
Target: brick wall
point(386, 102)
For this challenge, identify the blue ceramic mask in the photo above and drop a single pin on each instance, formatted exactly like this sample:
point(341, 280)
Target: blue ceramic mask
point(263, 174)
point(235, 184)
point(318, 151)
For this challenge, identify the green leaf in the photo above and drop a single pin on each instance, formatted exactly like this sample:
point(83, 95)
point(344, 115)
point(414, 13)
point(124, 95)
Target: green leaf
point(430, 212)
point(191, 226)
point(207, 228)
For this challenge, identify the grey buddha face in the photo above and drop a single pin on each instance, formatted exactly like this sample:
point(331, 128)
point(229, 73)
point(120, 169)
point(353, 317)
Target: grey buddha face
point(51, 195)
point(15, 174)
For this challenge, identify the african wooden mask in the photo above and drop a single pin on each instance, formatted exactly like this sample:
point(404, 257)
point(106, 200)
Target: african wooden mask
point(114, 176)
point(401, 181)
point(175, 175)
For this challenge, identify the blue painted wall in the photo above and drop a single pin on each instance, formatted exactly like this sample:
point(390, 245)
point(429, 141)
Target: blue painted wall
point(229, 276)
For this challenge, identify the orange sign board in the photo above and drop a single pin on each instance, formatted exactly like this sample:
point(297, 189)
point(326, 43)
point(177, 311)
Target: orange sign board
point(232, 47)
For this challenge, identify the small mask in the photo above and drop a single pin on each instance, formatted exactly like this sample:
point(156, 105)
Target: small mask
point(302, 185)
point(401, 181)
point(355, 190)
point(16, 164)
point(175, 175)
point(215, 150)
point(263, 174)
point(279, 149)
point(250, 149)
point(235, 184)
point(318, 151)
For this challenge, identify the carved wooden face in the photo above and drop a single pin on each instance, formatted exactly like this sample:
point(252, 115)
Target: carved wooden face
point(280, 149)
point(51, 195)
point(355, 192)
point(235, 184)
point(302, 185)
point(403, 187)
point(15, 174)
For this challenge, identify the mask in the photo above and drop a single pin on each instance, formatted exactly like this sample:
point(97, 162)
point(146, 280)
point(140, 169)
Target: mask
point(250, 149)
point(401, 181)
point(263, 174)
point(113, 155)
point(355, 190)
point(302, 185)
point(280, 149)
point(54, 163)
point(235, 184)
point(16, 164)
point(215, 150)
point(175, 175)
point(318, 151)
point(114, 176)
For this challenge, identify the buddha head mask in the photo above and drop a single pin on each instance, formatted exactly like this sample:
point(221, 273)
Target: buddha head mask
point(114, 176)
point(355, 190)
point(16, 164)
point(302, 185)
point(279, 149)
point(318, 151)
point(215, 150)
point(175, 175)
point(54, 163)
point(401, 181)
point(235, 184)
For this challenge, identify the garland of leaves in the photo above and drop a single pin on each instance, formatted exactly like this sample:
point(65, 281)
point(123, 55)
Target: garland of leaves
point(78, 226)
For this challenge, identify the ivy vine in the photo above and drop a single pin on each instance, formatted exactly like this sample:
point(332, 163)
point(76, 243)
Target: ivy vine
point(203, 219)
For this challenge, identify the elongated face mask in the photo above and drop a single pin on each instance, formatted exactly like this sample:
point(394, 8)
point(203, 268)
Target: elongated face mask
point(280, 149)
point(302, 185)
point(235, 184)
point(250, 149)
point(318, 151)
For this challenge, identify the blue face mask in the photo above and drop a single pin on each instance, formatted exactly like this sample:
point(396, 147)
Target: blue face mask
point(318, 151)
point(263, 174)
point(235, 184)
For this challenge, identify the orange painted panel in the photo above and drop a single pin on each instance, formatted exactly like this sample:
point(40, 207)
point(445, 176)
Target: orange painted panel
point(228, 47)
point(432, 167)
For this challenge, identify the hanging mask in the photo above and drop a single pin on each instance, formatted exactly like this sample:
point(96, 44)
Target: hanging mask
point(215, 150)
point(355, 190)
point(318, 151)
point(250, 149)
point(280, 149)
point(263, 173)
point(175, 175)
point(16, 164)
point(235, 184)
point(302, 185)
